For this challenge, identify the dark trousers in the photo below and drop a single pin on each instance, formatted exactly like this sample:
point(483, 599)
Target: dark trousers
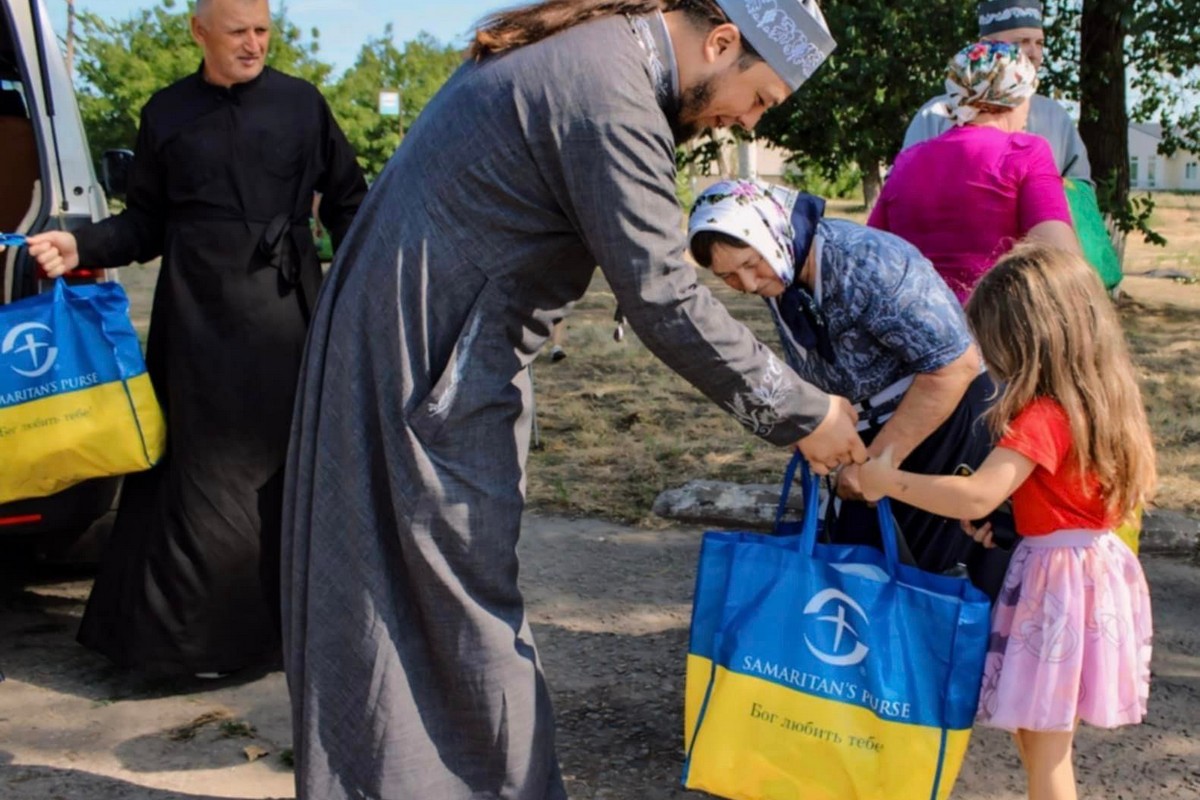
point(937, 543)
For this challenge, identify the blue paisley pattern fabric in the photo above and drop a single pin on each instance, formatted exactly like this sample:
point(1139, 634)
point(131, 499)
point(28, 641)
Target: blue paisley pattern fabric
point(889, 313)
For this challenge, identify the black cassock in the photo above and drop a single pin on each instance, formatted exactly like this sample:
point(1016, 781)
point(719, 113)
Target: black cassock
point(221, 186)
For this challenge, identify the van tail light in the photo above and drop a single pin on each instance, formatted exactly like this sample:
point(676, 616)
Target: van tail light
point(20, 519)
point(78, 274)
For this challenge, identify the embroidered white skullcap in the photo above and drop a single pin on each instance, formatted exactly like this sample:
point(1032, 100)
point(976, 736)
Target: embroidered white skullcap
point(791, 35)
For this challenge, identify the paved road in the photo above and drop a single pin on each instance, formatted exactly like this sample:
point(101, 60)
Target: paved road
point(610, 610)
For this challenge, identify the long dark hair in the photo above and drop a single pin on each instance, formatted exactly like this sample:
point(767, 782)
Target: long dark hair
point(517, 27)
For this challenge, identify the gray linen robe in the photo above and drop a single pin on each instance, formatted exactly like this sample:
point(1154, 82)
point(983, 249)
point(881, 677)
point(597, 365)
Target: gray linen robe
point(1047, 119)
point(409, 659)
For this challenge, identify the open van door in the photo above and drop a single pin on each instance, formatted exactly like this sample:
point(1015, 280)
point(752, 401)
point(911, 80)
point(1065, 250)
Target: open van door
point(43, 74)
point(48, 184)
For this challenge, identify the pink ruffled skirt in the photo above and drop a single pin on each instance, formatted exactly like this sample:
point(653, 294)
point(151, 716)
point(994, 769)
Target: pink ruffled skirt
point(1070, 637)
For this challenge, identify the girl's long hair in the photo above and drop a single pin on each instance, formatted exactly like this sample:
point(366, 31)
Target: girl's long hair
point(1047, 329)
point(517, 27)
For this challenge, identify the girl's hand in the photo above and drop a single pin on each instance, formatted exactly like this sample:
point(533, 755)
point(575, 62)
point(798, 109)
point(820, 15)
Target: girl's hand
point(982, 534)
point(873, 476)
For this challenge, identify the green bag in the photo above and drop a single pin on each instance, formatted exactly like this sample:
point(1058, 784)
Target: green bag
point(323, 243)
point(1093, 234)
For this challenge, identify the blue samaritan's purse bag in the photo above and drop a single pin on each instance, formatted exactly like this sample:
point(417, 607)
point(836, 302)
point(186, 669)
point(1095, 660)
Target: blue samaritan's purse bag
point(75, 399)
point(824, 671)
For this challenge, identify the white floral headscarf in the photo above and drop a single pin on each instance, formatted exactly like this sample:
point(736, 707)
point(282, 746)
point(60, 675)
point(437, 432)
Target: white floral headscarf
point(988, 73)
point(747, 210)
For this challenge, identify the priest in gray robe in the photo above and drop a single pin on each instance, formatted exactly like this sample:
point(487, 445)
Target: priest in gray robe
point(1018, 22)
point(410, 663)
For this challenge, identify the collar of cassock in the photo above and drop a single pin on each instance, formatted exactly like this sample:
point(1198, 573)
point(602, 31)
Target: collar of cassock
point(652, 35)
point(236, 89)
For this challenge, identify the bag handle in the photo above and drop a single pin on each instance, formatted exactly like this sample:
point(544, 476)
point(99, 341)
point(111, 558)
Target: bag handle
point(808, 531)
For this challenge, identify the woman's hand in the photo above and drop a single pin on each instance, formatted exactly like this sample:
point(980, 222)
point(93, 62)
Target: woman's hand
point(982, 534)
point(874, 476)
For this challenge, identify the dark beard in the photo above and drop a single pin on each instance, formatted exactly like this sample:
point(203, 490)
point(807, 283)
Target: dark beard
point(683, 118)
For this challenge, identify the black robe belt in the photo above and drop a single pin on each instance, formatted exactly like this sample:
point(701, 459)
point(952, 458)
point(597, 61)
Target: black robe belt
point(287, 246)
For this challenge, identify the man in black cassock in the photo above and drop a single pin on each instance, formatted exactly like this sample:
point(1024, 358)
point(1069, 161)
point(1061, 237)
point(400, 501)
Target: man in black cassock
point(222, 182)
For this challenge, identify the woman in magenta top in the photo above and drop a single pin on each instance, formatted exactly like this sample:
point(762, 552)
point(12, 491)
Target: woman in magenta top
point(965, 197)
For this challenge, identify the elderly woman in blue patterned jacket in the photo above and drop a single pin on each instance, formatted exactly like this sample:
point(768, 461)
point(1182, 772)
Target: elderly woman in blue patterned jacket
point(861, 313)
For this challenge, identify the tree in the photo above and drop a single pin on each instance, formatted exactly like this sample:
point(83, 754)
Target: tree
point(417, 72)
point(121, 63)
point(890, 59)
point(1099, 49)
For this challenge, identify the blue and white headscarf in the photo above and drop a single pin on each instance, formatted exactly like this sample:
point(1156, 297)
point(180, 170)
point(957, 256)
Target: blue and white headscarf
point(781, 225)
point(747, 211)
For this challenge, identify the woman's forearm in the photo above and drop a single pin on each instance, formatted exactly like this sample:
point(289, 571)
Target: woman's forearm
point(930, 400)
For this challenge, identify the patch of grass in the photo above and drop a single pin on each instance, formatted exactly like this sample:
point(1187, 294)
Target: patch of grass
point(185, 733)
point(1166, 349)
point(618, 427)
point(236, 729)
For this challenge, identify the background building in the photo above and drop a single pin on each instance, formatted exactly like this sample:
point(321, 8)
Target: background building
point(1149, 170)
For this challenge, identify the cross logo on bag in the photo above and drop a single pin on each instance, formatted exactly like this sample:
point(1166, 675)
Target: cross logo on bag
point(41, 354)
point(837, 658)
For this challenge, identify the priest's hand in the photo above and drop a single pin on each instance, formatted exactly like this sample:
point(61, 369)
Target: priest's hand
point(55, 251)
point(835, 441)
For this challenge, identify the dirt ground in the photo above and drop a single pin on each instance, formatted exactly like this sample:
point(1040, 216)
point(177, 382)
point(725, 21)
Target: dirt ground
point(610, 607)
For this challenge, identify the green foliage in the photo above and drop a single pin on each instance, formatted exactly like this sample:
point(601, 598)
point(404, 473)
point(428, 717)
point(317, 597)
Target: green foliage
point(121, 63)
point(845, 185)
point(683, 187)
point(417, 71)
point(1160, 60)
point(891, 58)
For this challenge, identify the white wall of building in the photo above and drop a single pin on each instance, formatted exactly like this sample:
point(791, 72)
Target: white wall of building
point(1150, 171)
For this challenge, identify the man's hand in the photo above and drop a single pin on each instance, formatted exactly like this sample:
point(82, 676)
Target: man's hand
point(55, 251)
point(835, 441)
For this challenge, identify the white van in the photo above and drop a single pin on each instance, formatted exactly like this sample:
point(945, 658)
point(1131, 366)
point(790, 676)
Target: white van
point(46, 183)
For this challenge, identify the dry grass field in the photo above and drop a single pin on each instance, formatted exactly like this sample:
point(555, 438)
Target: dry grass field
point(1162, 322)
point(616, 427)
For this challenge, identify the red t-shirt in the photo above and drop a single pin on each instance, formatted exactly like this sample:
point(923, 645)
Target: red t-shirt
point(1052, 498)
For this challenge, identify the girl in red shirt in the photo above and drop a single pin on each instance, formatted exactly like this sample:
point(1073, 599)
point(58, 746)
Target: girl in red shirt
point(1071, 628)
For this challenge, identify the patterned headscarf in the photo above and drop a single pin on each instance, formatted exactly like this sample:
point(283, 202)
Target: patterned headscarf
point(746, 210)
point(988, 73)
